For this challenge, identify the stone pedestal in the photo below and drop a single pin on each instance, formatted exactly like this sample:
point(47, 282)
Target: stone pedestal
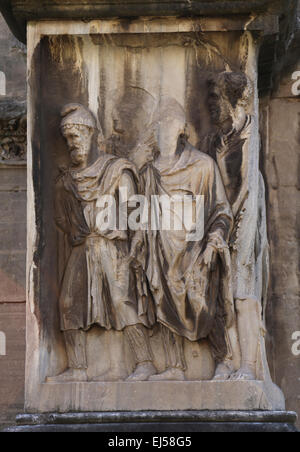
point(149, 396)
point(160, 422)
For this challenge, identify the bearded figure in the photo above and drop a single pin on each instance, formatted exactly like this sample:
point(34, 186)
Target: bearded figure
point(99, 285)
point(235, 148)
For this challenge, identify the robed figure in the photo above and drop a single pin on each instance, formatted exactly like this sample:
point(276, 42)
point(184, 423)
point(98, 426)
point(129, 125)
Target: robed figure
point(99, 286)
point(190, 279)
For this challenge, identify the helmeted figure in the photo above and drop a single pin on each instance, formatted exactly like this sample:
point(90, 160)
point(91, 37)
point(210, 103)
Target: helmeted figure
point(99, 285)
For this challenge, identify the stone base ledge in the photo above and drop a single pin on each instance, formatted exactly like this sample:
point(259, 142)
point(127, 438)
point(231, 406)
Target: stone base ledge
point(156, 396)
point(158, 421)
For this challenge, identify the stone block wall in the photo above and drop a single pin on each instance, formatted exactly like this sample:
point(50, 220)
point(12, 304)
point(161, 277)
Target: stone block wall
point(12, 223)
point(280, 125)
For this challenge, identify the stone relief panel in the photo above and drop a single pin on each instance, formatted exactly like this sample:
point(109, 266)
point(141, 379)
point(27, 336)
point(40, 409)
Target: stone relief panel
point(149, 117)
point(127, 281)
point(13, 140)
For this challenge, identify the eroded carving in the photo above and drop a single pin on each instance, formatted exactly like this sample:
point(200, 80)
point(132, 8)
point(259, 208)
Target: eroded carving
point(189, 278)
point(127, 281)
point(13, 140)
point(230, 102)
point(194, 287)
point(99, 286)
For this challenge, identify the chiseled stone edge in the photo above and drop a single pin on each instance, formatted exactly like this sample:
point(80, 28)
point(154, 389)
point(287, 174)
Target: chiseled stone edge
point(159, 421)
point(158, 416)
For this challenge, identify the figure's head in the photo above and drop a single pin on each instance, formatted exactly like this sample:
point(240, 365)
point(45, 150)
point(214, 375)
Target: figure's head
point(171, 119)
point(131, 118)
point(228, 92)
point(172, 114)
point(78, 127)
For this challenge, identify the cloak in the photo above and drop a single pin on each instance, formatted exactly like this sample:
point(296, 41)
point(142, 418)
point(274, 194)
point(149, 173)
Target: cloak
point(98, 285)
point(190, 299)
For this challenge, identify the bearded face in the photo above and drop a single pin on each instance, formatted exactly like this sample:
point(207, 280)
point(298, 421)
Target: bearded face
point(219, 109)
point(79, 141)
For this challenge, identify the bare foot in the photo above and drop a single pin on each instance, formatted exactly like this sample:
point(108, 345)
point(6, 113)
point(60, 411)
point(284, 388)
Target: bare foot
point(109, 376)
point(169, 375)
point(245, 373)
point(223, 372)
point(69, 376)
point(143, 372)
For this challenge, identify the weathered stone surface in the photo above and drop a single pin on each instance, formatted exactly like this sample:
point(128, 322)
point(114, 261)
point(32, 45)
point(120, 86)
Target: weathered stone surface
point(13, 136)
point(12, 365)
point(12, 97)
point(11, 108)
point(157, 416)
point(13, 237)
point(13, 64)
point(13, 222)
point(281, 161)
point(145, 396)
point(18, 12)
point(146, 61)
point(13, 208)
point(159, 421)
point(12, 274)
point(165, 427)
point(13, 234)
point(283, 178)
point(13, 178)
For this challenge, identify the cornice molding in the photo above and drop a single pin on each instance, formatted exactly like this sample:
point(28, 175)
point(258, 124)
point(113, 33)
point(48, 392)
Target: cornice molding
point(18, 12)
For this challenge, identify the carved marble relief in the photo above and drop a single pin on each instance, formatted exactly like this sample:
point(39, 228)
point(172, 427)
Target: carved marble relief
point(230, 98)
point(152, 251)
point(131, 280)
point(100, 286)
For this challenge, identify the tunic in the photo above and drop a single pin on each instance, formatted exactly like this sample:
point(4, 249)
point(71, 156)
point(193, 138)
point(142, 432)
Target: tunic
point(190, 299)
point(98, 287)
point(245, 188)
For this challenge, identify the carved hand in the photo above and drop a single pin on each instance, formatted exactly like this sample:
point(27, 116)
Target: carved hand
point(217, 241)
point(210, 257)
point(145, 151)
point(215, 244)
point(136, 250)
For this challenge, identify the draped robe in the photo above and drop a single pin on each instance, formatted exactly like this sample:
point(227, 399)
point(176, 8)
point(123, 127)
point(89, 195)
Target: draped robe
point(190, 298)
point(98, 286)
